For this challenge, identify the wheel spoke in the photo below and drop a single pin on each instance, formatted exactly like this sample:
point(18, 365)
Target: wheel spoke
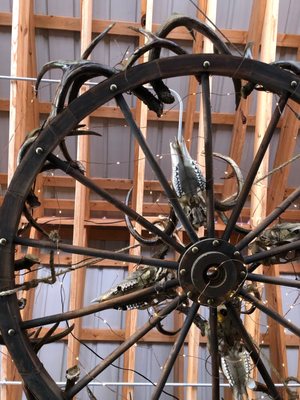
point(268, 220)
point(262, 255)
point(75, 173)
point(253, 267)
point(213, 326)
point(273, 280)
point(157, 170)
point(175, 351)
point(88, 251)
point(273, 314)
point(208, 156)
point(118, 302)
point(254, 167)
point(123, 347)
point(253, 353)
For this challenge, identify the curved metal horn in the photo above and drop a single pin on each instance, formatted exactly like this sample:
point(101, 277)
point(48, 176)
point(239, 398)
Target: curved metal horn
point(229, 203)
point(154, 42)
point(170, 227)
point(191, 24)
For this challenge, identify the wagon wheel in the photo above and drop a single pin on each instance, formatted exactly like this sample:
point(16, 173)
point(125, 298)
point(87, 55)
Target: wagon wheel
point(201, 284)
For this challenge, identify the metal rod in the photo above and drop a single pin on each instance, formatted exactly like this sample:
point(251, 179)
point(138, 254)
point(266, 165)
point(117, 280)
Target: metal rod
point(273, 280)
point(271, 313)
point(214, 345)
point(137, 296)
point(253, 353)
point(88, 251)
point(45, 80)
point(255, 166)
point(253, 267)
point(175, 351)
point(210, 213)
point(76, 174)
point(169, 384)
point(268, 220)
point(157, 170)
point(123, 347)
point(272, 252)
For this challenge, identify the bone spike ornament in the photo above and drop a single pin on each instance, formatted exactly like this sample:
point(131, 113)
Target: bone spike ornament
point(141, 278)
point(188, 182)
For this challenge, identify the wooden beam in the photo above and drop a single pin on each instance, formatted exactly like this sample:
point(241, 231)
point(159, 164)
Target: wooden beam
point(278, 354)
point(241, 120)
point(118, 335)
point(111, 112)
point(23, 118)
point(285, 151)
point(21, 93)
point(137, 203)
point(264, 110)
point(116, 184)
point(81, 207)
point(179, 362)
point(32, 122)
point(193, 82)
point(259, 197)
point(56, 22)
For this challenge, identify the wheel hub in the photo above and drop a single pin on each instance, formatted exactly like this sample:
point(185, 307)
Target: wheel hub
point(211, 271)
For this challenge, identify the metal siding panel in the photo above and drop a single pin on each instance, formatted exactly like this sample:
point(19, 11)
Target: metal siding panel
point(6, 6)
point(41, 7)
point(45, 293)
point(99, 280)
point(115, 10)
point(5, 47)
point(89, 359)
point(149, 362)
point(62, 8)
point(53, 356)
point(4, 121)
point(232, 14)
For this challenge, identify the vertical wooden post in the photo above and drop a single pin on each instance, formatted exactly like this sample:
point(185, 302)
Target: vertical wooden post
point(137, 203)
point(254, 35)
point(81, 209)
point(258, 206)
point(242, 113)
point(278, 355)
point(179, 363)
point(21, 93)
point(23, 118)
point(263, 111)
point(285, 150)
point(278, 182)
point(193, 83)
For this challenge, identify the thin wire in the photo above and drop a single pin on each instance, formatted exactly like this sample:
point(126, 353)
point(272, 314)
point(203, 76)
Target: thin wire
point(30, 79)
point(102, 358)
point(109, 326)
point(68, 269)
point(62, 299)
point(277, 168)
point(215, 26)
